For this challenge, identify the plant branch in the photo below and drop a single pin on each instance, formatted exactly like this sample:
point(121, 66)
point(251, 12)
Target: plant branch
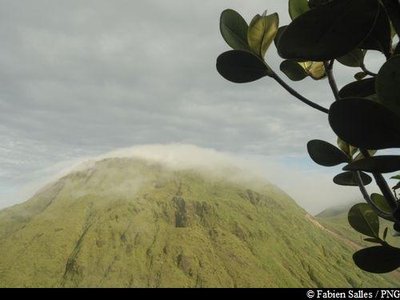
point(379, 179)
point(368, 199)
point(296, 94)
point(385, 189)
point(383, 186)
point(331, 79)
point(366, 71)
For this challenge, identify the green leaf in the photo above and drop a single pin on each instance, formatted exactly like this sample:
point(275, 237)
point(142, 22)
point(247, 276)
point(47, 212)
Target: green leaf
point(361, 156)
point(380, 36)
point(373, 240)
point(293, 70)
point(346, 148)
point(328, 31)
point(360, 76)
point(315, 69)
point(364, 220)
point(385, 232)
point(376, 164)
point(262, 31)
point(352, 59)
point(234, 30)
point(325, 154)
point(365, 124)
point(349, 179)
point(388, 84)
point(361, 88)
point(395, 177)
point(382, 204)
point(297, 8)
point(378, 259)
point(241, 66)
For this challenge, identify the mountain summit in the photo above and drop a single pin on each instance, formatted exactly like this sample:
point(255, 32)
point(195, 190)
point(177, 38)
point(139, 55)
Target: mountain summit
point(155, 221)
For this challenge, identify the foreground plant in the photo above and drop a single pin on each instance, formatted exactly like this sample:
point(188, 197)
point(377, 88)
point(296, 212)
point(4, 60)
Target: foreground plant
point(365, 114)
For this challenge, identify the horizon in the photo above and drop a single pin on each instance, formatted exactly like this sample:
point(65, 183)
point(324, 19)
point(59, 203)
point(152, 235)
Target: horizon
point(187, 156)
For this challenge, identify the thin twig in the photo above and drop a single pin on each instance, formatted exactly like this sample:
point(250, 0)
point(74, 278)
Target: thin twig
point(297, 95)
point(383, 186)
point(331, 79)
point(368, 199)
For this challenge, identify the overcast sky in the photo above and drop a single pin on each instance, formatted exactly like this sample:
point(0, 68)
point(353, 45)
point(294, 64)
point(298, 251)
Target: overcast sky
point(79, 78)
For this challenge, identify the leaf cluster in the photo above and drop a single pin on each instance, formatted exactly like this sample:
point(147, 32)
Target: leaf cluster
point(365, 115)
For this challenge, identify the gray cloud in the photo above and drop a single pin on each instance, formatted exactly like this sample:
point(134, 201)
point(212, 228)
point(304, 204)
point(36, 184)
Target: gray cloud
point(78, 78)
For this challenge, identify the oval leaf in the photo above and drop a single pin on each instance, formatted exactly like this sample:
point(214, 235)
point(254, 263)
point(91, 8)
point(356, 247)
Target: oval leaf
point(388, 84)
point(361, 88)
point(376, 164)
point(262, 31)
point(234, 29)
point(364, 220)
point(378, 259)
point(297, 8)
point(323, 33)
point(380, 36)
point(349, 179)
point(241, 66)
point(325, 154)
point(293, 70)
point(352, 59)
point(382, 204)
point(365, 124)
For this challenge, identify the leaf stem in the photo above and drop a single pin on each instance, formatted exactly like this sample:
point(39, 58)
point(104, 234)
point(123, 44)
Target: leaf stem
point(296, 94)
point(383, 186)
point(368, 199)
point(366, 71)
point(331, 78)
point(379, 179)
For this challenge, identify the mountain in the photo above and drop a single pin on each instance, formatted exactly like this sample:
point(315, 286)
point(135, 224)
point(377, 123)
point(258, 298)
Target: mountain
point(335, 220)
point(136, 222)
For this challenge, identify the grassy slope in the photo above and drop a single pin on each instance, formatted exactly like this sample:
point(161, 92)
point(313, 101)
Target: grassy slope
point(335, 219)
point(129, 223)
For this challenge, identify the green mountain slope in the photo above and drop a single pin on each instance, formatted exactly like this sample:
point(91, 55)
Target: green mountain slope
point(335, 220)
point(126, 222)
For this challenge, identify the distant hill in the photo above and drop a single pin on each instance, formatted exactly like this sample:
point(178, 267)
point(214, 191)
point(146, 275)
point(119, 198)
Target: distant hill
point(336, 211)
point(130, 222)
point(335, 219)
